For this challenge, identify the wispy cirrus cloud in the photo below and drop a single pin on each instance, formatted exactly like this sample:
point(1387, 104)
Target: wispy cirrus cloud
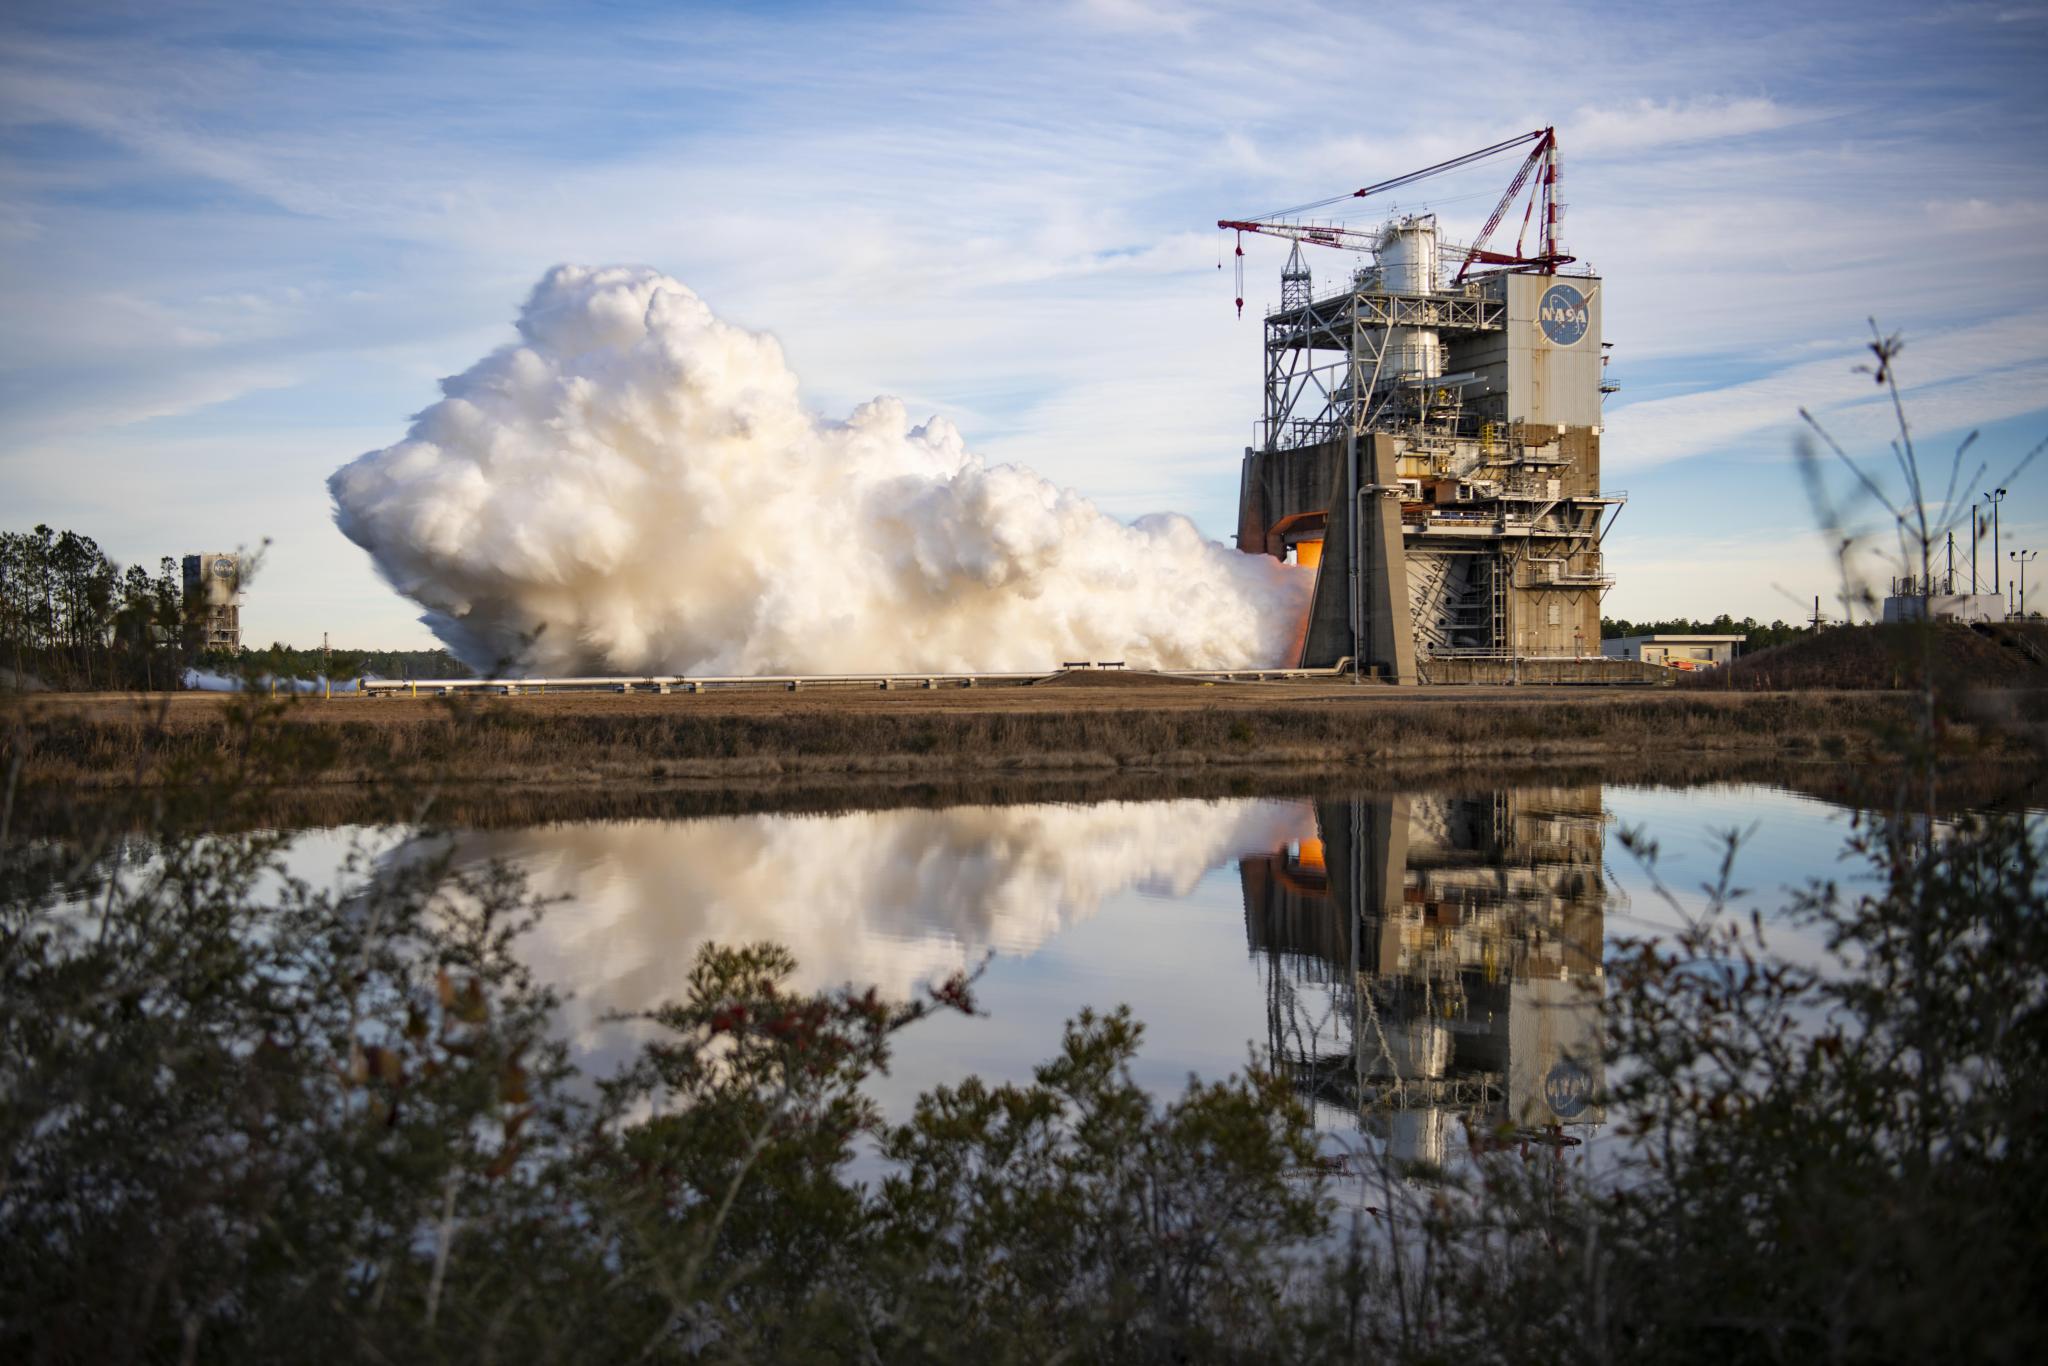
point(1960, 378)
point(1645, 123)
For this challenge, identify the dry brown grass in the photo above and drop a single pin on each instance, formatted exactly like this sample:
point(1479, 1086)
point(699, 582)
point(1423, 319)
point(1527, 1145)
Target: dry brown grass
point(497, 805)
point(1889, 657)
point(115, 762)
point(742, 736)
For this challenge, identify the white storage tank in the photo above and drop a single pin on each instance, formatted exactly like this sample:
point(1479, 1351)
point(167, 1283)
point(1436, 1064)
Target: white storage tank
point(1408, 260)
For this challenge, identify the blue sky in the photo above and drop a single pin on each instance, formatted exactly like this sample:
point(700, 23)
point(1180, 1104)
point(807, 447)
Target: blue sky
point(239, 243)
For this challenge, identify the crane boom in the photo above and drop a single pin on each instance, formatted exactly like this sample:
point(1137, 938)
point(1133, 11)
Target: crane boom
point(1543, 156)
point(1454, 163)
point(1349, 239)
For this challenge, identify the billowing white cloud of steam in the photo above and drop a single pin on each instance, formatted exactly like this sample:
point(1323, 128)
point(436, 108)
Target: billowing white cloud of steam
point(639, 479)
point(884, 898)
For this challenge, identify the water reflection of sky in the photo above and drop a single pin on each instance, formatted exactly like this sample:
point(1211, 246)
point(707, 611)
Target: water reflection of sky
point(1141, 903)
point(1786, 841)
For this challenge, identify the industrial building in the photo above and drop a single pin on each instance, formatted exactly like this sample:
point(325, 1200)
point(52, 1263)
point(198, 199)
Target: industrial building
point(1676, 651)
point(1435, 957)
point(1430, 440)
point(213, 601)
point(1936, 599)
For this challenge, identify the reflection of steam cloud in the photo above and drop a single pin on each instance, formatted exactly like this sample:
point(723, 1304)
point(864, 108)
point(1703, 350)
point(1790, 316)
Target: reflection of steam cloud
point(888, 898)
point(639, 478)
point(1433, 955)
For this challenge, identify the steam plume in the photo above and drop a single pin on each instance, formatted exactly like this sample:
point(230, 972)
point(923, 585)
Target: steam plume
point(638, 481)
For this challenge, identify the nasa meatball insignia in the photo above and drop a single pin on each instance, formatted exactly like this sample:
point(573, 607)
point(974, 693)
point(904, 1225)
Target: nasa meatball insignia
point(1563, 315)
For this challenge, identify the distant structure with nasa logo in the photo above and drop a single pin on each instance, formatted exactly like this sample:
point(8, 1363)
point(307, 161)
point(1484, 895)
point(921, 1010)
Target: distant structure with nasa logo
point(213, 601)
point(1430, 441)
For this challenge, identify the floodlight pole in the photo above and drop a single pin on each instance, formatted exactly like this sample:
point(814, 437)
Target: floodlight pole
point(1994, 499)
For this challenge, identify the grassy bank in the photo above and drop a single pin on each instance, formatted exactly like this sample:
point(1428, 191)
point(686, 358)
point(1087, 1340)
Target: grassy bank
point(1963, 785)
point(2006, 655)
point(959, 737)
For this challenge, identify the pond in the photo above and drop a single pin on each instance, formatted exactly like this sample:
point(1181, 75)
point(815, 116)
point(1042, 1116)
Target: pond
point(1409, 958)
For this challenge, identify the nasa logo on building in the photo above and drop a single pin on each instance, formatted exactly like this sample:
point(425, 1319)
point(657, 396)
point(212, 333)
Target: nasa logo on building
point(1568, 1090)
point(1563, 315)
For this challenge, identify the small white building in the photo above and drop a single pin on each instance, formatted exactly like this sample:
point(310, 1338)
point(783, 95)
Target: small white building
point(1945, 607)
point(1674, 651)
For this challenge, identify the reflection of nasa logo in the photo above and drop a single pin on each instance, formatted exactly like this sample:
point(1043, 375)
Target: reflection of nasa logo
point(223, 568)
point(1568, 1090)
point(1563, 315)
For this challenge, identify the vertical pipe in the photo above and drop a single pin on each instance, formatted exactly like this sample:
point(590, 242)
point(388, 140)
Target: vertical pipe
point(1354, 910)
point(1994, 538)
point(1351, 509)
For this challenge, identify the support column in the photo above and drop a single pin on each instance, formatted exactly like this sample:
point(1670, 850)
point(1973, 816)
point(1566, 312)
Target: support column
point(1362, 590)
point(1386, 631)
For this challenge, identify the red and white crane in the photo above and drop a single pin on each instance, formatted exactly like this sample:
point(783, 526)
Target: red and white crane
point(1543, 163)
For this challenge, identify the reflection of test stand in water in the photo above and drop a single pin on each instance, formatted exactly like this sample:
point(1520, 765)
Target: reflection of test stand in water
point(1434, 956)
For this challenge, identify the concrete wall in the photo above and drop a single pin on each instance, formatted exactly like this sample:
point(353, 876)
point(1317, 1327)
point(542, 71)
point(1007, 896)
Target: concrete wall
point(1553, 621)
point(1278, 484)
point(1386, 643)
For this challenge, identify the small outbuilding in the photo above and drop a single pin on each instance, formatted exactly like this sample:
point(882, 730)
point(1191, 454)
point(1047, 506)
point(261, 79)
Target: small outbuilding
point(1675, 651)
point(1964, 607)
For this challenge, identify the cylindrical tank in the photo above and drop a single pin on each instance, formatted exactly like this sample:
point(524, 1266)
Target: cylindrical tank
point(1407, 255)
point(1407, 252)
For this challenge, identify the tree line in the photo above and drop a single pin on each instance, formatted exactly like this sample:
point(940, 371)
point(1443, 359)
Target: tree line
point(1760, 636)
point(72, 617)
point(278, 660)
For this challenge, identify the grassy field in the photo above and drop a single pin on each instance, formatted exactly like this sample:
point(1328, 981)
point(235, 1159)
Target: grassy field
point(76, 759)
point(89, 741)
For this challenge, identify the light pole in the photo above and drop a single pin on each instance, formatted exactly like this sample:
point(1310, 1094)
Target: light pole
point(2023, 556)
point(1994, 499)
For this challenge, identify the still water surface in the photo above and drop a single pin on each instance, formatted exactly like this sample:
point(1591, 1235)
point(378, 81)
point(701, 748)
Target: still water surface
point(1411, 959)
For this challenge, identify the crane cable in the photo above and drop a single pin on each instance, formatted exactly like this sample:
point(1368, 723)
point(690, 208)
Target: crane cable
point(1393, 183)
point(1398, 181)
